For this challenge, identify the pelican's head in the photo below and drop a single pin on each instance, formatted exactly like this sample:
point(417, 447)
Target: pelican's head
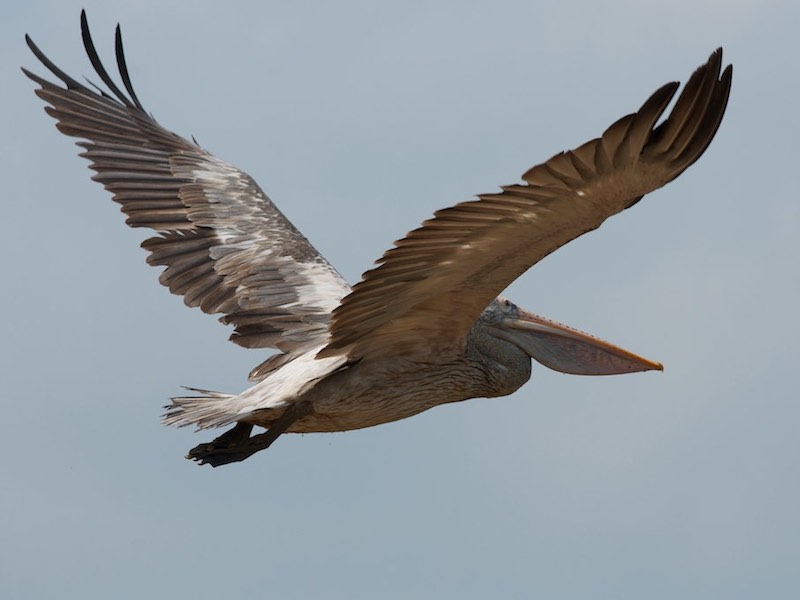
point(558, 346)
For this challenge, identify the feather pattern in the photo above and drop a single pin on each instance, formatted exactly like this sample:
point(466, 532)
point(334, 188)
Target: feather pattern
point(226, 247)
point(434, 283)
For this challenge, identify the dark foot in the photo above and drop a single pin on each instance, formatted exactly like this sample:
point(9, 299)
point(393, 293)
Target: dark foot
point(209, 454)
point(236, 445)
point(227, 448)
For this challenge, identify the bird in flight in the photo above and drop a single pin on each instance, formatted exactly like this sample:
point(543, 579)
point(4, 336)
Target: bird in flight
point(423, 327)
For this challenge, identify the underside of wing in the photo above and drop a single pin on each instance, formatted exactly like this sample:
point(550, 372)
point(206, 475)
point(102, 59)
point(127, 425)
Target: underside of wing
point(436, 281)
point(226, 247)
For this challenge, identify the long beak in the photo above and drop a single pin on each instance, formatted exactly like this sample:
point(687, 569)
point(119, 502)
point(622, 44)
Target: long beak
point(568, 350)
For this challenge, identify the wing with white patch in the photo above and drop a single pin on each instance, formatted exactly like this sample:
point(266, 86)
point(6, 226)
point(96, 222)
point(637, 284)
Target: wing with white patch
point(226, 247)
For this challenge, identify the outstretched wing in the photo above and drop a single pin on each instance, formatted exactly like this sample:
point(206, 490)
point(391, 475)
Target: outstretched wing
point(435, 282)
point(225, 246)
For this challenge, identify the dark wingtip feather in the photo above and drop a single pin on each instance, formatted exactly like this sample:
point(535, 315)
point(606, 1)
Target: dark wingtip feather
point(708, 129)
point(123, 67)
point(696, 116)
point(692, 107)
point(50, 65)
point(94, 57)
point(91, 51)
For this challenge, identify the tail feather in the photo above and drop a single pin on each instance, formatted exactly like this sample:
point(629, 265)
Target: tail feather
point(211, 409)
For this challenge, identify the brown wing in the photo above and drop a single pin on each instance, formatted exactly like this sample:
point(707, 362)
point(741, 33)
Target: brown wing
point(435, 282)
point(225, 245)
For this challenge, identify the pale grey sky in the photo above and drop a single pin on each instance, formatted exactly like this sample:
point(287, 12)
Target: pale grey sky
point(360, 119)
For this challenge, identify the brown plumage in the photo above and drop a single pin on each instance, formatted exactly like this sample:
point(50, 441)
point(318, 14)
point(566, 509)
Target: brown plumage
point(426, 325)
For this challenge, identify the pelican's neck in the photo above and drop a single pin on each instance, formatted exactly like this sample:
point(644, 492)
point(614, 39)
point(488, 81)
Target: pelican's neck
point(505, 367)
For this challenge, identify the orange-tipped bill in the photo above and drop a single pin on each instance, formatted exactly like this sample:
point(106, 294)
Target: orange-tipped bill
point(568, 350)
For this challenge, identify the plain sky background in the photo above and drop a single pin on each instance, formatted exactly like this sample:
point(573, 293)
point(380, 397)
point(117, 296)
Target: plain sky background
point(360, 119)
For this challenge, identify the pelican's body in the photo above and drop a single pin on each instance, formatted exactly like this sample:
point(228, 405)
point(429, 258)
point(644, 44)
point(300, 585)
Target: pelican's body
point(371, 392)
point(426, 326)
point(374, 392)
point(350, 399)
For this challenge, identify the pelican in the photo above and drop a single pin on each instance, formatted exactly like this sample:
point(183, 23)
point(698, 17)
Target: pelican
point(423, 327)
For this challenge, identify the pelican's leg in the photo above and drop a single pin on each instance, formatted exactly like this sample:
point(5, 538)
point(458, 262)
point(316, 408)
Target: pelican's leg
point(236, 445)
